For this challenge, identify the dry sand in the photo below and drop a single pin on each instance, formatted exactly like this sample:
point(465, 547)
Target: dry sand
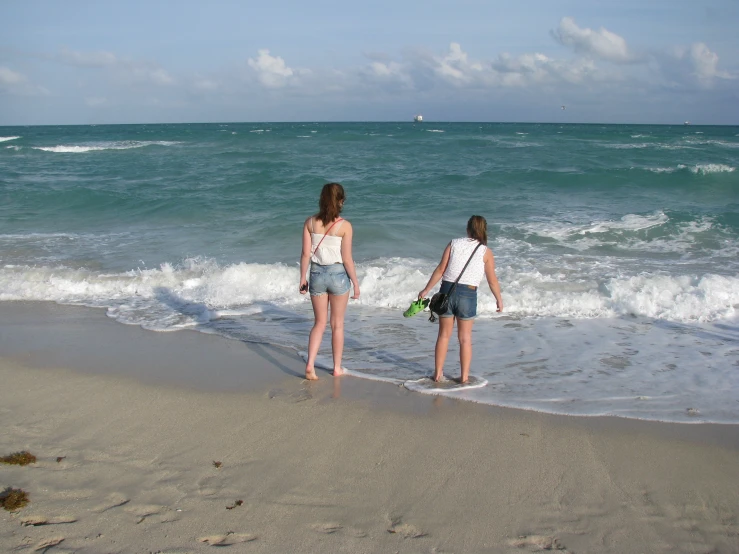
point(127, 425)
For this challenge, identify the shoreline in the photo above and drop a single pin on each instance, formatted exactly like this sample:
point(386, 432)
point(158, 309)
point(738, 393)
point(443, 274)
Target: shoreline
point(337, 465)
point(48, 326)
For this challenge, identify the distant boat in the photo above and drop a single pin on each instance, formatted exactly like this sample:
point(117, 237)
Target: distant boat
point(686, 123)
point(418, 118)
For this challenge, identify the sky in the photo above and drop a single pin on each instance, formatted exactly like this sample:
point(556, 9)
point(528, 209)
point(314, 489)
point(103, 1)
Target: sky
point(160, 61)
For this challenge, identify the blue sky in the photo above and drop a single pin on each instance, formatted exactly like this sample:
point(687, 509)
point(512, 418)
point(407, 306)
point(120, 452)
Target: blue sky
point(646, 61)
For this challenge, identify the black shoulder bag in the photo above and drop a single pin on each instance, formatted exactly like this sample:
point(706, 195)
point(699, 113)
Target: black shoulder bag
point(439, 303)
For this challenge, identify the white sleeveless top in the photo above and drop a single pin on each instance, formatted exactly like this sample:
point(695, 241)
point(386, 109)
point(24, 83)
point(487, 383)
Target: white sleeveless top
point(460, 252)
point(329, 251)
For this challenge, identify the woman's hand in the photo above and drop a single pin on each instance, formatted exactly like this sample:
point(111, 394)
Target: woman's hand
point(422, 294)
point(303, 287)
point(500, 306)
point(355, 296)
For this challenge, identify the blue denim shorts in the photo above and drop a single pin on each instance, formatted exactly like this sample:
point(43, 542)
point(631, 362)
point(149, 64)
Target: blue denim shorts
point(330, 279)
point(462, 303)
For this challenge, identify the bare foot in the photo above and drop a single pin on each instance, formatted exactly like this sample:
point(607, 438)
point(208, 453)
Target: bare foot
point(438, 377)
point(338, 372)
point(310, 375)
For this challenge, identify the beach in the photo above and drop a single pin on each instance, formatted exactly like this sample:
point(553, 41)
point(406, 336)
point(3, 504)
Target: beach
point(182, 441)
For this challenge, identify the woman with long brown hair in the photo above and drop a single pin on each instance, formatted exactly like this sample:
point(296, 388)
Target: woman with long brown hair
point(327, 245)
point(465, 259)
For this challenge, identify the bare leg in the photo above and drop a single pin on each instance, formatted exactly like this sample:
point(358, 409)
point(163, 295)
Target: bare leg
point(464, 332)
point(338, 309)
point(320, 313)
point(446, 326)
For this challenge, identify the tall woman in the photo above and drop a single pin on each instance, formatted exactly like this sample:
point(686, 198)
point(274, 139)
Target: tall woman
point(327, 245)
point(463, 301)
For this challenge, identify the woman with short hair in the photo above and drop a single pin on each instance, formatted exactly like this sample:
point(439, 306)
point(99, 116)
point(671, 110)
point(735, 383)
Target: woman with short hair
point(463, 300)
point(327, 245)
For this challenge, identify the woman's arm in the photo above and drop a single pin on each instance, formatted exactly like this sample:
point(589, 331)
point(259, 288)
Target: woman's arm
point(438, 272)
point(346, 256)
point(305, 258)
point(492, 278)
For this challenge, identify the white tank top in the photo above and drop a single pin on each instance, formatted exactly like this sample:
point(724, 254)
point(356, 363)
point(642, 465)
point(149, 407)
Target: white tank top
point(329, 251)
point(460, 252)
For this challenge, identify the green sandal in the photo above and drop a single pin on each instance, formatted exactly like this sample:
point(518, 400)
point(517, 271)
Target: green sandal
point(416, 306)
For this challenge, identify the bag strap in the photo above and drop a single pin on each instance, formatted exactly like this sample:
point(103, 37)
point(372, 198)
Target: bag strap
point(326, 234)
point(454, 286)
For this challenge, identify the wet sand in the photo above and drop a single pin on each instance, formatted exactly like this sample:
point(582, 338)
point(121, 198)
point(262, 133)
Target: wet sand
point(128, 425)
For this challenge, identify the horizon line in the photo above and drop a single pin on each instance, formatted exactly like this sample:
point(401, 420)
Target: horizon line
point(411, 122)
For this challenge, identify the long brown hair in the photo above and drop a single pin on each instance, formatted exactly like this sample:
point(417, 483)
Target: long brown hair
point(477, 228)
point(330, 202)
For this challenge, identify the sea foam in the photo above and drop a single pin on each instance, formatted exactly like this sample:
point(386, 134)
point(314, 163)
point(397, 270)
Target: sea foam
point(116, 145)
point(705, 169)
point(152, 297)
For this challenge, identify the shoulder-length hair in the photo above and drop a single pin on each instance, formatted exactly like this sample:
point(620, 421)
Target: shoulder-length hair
point(330, 202)
point(477, 228)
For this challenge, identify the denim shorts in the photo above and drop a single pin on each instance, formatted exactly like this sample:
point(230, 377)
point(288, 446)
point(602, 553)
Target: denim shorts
point(330, 279)
point(462, 303)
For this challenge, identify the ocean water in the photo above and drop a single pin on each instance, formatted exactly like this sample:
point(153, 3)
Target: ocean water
point(617, 246)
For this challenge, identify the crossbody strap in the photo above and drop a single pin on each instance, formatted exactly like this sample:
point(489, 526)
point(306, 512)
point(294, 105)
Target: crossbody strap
point(326, 234)
point(454, 286)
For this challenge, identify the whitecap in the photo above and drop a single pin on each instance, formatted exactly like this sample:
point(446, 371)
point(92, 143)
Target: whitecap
point(5, 139)
point(705, 169)
point(113, 145)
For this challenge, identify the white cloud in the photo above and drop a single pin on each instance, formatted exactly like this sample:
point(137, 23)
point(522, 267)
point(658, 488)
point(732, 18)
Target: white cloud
point(704, 63)
point(10, 77)
point(601, 43)
point(678, 67)
point(528, 69)
point(87, 59)
point(155, 75)
point(388, 73)
point(687, 66)
point(16, 83)
point(123, 69)
point(456, 68)
point(272, 71)
point(205, 84)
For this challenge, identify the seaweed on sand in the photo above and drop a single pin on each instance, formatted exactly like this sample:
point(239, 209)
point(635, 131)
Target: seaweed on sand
point(21, 458)
point(13, 499)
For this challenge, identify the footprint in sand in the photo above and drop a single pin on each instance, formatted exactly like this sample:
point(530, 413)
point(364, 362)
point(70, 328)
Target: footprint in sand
point(113, 500)
point(327, 528)
point(142, 511)
point(300, 395)
point(227, 539)
point(536, 543)
point(37, 520)
point(332, 527)
point(44, 545)
point(210, 486)
point(405, 530)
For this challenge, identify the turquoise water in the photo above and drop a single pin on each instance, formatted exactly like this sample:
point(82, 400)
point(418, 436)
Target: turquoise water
point(616, 245)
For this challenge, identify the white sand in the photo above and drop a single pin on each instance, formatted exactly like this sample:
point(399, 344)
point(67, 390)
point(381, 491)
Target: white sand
point(367, 467)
